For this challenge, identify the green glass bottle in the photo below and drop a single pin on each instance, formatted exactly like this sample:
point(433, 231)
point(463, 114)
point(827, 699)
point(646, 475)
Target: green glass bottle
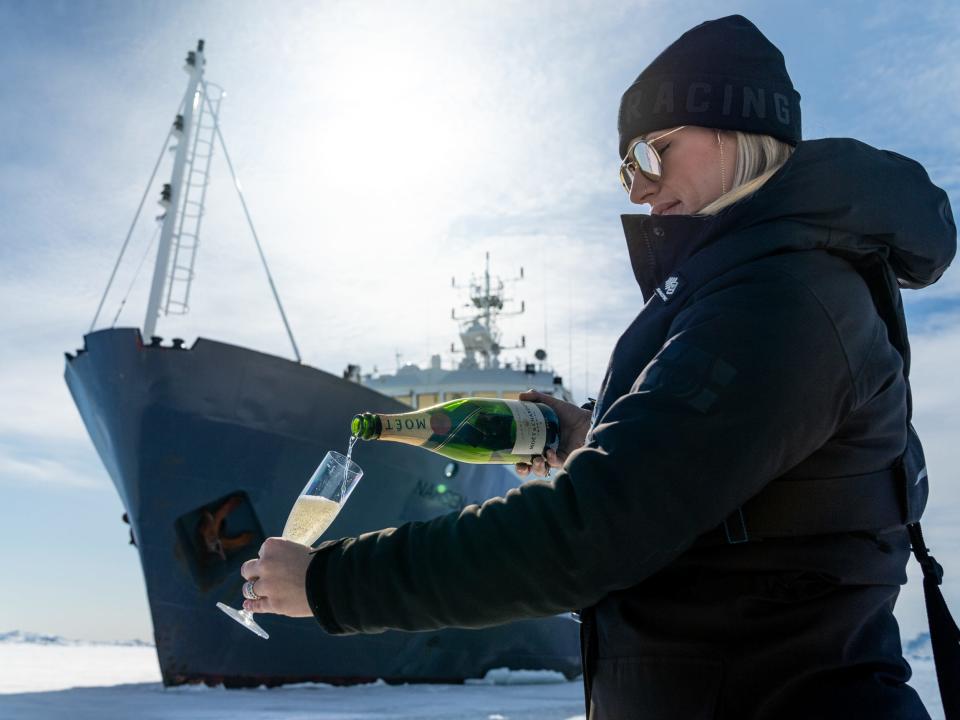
point(471, 430)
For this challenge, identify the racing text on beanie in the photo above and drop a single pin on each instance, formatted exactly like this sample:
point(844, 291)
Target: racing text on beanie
point(723, 74)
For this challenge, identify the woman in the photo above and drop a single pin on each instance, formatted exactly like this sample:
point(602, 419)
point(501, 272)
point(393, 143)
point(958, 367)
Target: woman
point(758, 360)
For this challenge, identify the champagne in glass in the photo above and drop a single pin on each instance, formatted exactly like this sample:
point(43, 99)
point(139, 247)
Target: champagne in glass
point(313, 512)
point(308, 519)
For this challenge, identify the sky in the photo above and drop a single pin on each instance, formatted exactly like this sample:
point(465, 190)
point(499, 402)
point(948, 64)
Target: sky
point(382, 147)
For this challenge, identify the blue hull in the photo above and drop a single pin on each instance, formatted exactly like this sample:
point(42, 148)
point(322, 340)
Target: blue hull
point(219, 431)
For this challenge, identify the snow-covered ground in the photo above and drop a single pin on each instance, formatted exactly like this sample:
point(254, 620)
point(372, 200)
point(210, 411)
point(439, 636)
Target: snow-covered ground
point(48, 678)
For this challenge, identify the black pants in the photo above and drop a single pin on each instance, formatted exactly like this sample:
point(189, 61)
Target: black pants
point(771, 646)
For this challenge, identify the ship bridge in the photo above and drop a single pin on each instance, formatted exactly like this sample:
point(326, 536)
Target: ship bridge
point(480, 372)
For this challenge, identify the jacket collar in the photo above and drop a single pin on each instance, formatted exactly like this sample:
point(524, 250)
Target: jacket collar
point(660, 244)
point(851, 198)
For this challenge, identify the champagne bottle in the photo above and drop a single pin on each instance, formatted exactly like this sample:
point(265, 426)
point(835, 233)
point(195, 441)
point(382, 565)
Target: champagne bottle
point(471, 430)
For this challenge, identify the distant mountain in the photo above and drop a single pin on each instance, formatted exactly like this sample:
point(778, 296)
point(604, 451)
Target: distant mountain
point(19, 636)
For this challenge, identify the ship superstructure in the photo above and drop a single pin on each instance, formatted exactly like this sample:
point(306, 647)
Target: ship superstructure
point(480, 372)
point(209, 444)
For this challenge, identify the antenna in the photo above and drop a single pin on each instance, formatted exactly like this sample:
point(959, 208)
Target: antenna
point(479, 332)
point(586, 360)
point(570, 342)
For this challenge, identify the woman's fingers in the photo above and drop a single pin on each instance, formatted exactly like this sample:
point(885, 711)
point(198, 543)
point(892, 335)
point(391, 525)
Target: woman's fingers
point(539, 466)
point(249, 569)
point(257, 606)
point(537, 396)
point(277, 579)
point(261, 588)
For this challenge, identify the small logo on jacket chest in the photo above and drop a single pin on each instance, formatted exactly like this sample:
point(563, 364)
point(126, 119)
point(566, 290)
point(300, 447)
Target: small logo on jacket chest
point(669, 288)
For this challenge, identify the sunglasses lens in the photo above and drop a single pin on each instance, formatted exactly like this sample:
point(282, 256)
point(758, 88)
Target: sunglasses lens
point(646, 160)
point(626, 176)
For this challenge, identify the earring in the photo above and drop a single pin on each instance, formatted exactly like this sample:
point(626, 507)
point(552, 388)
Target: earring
point(723, 178)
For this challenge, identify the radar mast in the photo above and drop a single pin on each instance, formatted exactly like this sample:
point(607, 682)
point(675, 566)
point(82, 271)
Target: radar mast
point(479, 332)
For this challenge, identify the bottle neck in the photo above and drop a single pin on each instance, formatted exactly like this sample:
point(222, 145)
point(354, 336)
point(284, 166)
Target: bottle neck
point(366, 426)
point(412, 427)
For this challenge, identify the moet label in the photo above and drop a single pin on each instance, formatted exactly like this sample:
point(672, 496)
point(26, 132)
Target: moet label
point(531, 427)
point(413, 427)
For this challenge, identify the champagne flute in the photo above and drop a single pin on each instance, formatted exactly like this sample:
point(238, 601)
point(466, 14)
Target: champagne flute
point(314, 510)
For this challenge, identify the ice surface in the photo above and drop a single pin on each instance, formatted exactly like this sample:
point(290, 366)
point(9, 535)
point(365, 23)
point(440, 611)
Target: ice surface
point(506, 676)
point(46, 678)
point(29, 667)
point(50, 681)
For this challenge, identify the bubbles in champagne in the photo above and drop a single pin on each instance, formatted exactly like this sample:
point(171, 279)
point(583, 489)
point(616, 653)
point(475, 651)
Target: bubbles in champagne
point(310, 517)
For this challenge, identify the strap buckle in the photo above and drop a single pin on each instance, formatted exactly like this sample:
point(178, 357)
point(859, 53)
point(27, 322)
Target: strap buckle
point(932, 570)
point(735, 528)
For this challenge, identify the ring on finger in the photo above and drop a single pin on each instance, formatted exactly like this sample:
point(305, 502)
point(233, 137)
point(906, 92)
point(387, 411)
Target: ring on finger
point(248, 592)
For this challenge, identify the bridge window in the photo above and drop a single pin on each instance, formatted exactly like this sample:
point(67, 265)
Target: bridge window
point(427, 399)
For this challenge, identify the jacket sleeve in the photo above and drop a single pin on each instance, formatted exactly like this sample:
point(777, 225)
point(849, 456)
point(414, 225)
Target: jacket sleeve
point(752, 379)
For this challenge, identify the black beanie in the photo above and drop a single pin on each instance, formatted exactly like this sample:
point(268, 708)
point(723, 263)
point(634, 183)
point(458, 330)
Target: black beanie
point(723, 74)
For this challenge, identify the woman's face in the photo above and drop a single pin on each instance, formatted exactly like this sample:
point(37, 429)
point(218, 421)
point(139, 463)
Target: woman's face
point(690, 171)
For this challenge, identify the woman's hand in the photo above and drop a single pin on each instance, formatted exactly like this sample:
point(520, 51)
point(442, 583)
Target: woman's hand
point(279, 576)
point(574, 423)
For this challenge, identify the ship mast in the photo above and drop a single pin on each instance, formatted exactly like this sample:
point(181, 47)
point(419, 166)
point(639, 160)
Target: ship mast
point(184, 125)
point(479, 332)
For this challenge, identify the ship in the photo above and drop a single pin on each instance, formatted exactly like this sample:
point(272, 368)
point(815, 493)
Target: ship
point(209, 443)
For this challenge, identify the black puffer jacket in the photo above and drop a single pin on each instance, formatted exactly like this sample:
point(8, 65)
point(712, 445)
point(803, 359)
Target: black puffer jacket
point(773, 363)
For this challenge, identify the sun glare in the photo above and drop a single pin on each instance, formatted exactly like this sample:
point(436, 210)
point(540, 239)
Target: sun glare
point(392, 122)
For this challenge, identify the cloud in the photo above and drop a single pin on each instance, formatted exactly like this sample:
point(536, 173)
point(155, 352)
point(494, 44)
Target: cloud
point(936, 397)
point(45, 470)
point(905, 85)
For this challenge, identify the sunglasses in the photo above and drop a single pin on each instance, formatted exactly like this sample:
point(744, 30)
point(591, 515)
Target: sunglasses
point(643, 157)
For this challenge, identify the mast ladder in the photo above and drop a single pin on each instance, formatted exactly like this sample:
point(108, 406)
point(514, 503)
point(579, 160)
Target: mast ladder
point(197, 178)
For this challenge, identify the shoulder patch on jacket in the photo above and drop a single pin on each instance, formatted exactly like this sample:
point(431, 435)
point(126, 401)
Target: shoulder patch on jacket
point(689, 374)
point(671, 286)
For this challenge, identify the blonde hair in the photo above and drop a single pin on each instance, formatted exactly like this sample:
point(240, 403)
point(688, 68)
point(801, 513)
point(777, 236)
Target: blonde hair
point(758, 158)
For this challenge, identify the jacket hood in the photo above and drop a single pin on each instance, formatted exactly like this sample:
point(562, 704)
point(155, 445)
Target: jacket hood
point(855, 198)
